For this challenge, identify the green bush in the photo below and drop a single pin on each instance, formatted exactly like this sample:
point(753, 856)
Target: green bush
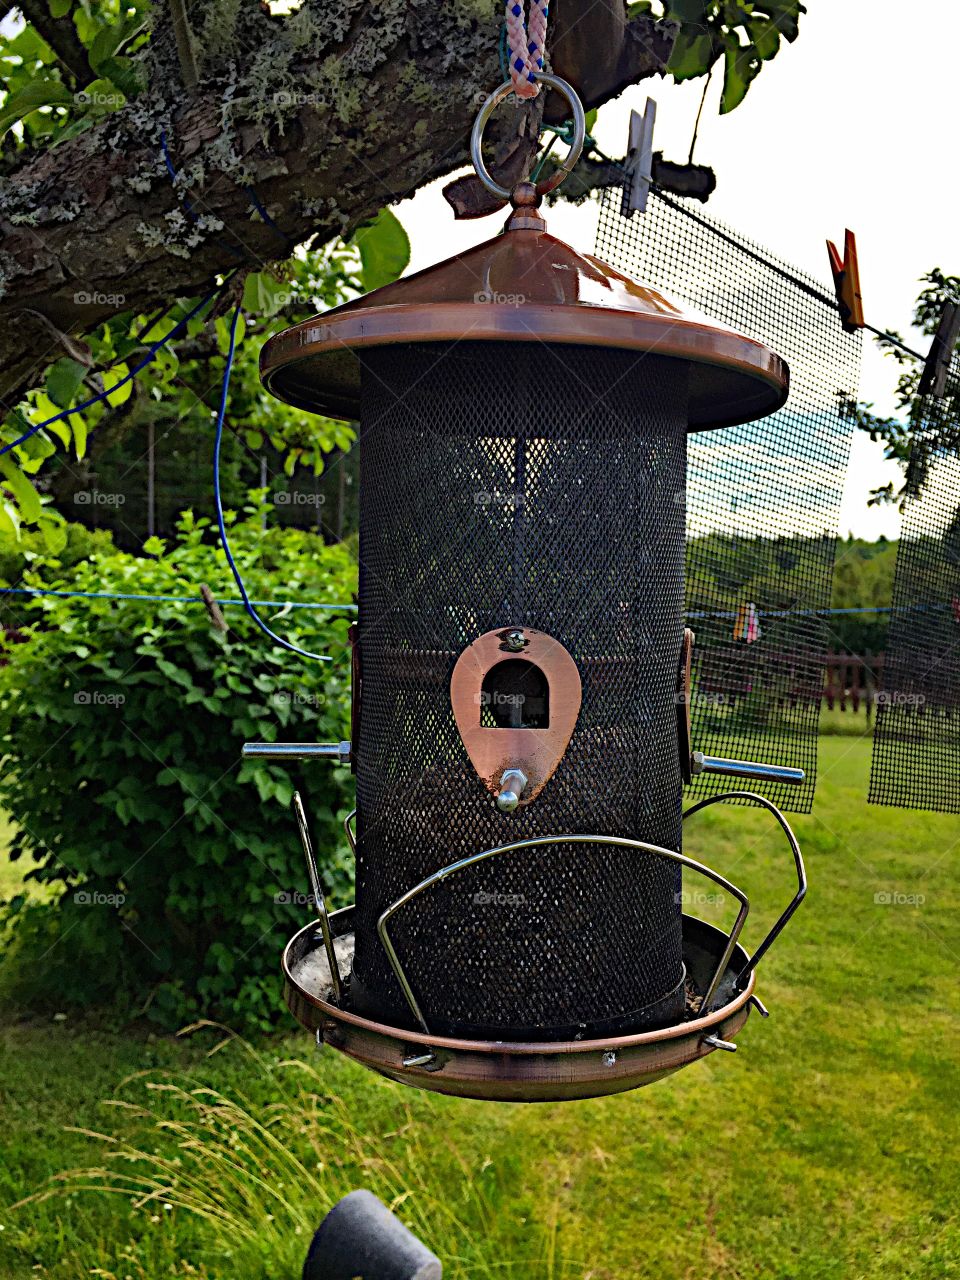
point(175, 868)
point(31, 555)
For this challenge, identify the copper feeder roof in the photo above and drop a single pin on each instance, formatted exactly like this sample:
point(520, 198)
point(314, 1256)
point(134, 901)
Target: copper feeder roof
point(525, 286)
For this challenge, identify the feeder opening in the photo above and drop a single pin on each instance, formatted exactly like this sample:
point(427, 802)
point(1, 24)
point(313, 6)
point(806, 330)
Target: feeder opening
point(515, 695)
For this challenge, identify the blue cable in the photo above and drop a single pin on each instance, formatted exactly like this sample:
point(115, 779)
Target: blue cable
point(225, 542)
point(151, 352)
point(187, 204)
point(282, 235)
point(352, 608)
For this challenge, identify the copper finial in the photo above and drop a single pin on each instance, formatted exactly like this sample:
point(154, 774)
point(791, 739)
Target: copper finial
point(525, 199)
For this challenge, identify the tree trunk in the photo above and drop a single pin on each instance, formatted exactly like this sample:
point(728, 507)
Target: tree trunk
point(328, 114)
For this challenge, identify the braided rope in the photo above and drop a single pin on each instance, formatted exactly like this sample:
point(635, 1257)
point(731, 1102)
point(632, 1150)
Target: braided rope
point(526, 42)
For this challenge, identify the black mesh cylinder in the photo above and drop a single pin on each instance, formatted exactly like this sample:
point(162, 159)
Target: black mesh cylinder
point(512, 485)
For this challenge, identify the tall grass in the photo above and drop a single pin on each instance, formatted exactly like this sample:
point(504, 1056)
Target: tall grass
point(256, 1178)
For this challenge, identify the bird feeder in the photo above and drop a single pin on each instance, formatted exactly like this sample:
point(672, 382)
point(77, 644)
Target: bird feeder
point(521, 672)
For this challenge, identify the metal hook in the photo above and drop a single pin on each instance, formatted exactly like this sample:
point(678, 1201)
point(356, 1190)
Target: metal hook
point(576, 145)
point(798, 897)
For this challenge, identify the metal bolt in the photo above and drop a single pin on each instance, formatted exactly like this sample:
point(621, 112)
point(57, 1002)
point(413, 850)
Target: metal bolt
point(609, 1058)
point(514, 640)
point(420, 1060)
point(512, 786)
point(716, 1043)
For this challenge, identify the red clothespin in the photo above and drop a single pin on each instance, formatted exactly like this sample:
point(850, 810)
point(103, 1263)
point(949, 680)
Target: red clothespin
point(846, 280)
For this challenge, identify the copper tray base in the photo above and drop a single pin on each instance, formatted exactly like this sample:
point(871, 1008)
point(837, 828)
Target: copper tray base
point(513, 1072)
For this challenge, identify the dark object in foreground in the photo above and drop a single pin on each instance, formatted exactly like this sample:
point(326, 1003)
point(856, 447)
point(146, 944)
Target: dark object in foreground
point(360, 1239)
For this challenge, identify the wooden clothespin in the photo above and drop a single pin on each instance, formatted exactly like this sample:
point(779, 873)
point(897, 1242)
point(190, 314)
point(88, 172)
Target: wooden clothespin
point(640, 159)
point(213, 609)
point(846, 280)
point(933, 380)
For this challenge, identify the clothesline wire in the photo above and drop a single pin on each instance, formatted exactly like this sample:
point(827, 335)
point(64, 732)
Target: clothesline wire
point(352, 608)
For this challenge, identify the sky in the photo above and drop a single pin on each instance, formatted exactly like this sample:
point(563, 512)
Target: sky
point(845, 128)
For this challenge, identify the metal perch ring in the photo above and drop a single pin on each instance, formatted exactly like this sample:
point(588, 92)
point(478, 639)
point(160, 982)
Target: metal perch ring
point(576, 146)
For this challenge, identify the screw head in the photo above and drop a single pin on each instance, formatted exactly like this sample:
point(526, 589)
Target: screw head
point(507, 801)
point(514, 640)
point(609, 1058)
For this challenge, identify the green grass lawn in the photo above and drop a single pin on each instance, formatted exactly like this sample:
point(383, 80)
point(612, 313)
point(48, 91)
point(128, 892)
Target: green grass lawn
point(827, 1148)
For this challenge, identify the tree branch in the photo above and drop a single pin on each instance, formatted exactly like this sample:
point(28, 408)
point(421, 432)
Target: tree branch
point(61, 35)
point(601, 52)
point(328, 113)
point(184, 38)
point(694, 181)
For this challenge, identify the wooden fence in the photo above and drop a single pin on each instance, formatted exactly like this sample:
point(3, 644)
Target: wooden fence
point(851, 681)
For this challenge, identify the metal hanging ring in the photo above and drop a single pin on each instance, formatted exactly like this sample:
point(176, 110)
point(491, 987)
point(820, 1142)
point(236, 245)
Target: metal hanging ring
point(576, 146)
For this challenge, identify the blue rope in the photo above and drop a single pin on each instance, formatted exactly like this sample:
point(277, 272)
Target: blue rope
point(818, 613)
point(255, 201)
point(352, 608)
point(151, 353)
point(120, 595)
point(185, 200)
point(221, 524)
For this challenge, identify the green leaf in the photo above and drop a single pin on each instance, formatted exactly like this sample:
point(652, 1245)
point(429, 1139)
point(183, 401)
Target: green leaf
point(26, 495)
point(384, 249)
point(60, 8)
point(36, 94)
point(688, 11)
point(79, 425)
point(53, 530)
point(765, 36)
point(786, 15)
point(63, 381)
point(44, 409)
point(9, 521)
point(114, 375)
point(109, 39)
point(741, 65)
point(127, 74)
point(264, 294)
point(693, 55)
point(100, 97)
point(222, 325)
